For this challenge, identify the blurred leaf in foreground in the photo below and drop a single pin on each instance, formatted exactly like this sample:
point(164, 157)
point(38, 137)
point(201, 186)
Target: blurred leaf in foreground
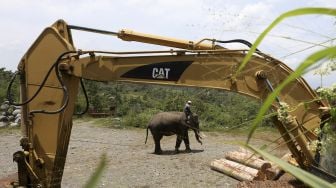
point(94, 179)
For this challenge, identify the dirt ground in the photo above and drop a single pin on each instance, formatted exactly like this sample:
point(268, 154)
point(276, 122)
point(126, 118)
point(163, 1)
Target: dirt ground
point(131, 163)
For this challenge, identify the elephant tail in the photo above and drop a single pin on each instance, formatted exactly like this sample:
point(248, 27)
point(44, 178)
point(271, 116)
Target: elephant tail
point(146, 135)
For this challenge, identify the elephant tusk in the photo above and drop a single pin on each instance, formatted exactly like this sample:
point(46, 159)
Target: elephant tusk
point(198, 137)
point(203, 135)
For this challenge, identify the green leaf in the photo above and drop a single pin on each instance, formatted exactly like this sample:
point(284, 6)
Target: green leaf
point(94, 179)
point(302, 175)
point(296, 12)
point(315, 57)
point(329, 52)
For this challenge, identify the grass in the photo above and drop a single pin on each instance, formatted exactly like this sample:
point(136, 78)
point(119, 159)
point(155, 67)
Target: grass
point(10, 130)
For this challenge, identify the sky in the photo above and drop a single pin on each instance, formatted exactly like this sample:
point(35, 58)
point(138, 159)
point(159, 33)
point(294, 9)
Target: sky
point(23, 20)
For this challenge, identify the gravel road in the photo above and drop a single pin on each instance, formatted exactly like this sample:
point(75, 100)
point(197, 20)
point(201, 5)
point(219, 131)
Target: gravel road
point(131, 163)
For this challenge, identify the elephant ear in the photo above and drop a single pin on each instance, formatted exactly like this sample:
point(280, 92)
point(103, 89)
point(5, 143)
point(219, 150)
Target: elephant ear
point(195, 116)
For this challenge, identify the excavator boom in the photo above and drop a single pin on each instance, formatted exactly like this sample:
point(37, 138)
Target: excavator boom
point(51, 69)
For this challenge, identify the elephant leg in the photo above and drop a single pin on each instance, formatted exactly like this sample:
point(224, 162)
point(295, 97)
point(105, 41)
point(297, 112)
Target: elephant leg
point(178, 143)
point(157, 139)
point(186, 142)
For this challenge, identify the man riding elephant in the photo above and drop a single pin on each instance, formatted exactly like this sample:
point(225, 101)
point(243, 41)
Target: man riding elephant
point(170, 123)
point(187, 111)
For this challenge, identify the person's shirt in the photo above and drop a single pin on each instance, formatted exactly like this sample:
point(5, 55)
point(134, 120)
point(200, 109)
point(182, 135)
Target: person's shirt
point(187, 109)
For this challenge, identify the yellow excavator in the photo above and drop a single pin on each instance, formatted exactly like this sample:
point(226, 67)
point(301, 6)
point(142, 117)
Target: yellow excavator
point(51, 71)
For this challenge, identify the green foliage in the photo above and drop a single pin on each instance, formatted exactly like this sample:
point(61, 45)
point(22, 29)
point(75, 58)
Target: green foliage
point(5, 77)
point(139, 119)
point(327, 53)
point(328, 149)
point(302, 175)
point(135, 104)
point(96, 95)
point(328, 132)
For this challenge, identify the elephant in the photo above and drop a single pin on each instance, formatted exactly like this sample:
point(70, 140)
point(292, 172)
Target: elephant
point(170, 123)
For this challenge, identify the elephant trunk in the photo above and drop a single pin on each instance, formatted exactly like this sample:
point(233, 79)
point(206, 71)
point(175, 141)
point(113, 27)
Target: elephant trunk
point(198, 137)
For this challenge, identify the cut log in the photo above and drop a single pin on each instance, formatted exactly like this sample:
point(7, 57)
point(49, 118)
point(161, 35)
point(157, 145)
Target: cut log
point(248, 160)
point(236, 170)
point(275, 172)
point(258, 175)
point(230, 171)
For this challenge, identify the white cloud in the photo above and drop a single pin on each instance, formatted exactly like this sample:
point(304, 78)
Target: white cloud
point(322, 3)
point(22, 21)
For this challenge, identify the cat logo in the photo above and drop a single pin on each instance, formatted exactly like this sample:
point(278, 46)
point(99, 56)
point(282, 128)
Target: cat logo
point(167, 71)
point(160, 73)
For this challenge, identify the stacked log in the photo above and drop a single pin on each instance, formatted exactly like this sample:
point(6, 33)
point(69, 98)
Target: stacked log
point(245, 166)
point(248, 160)
point(236, 170)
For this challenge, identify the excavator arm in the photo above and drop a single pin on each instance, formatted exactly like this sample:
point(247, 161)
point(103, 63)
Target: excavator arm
point(51, 69)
